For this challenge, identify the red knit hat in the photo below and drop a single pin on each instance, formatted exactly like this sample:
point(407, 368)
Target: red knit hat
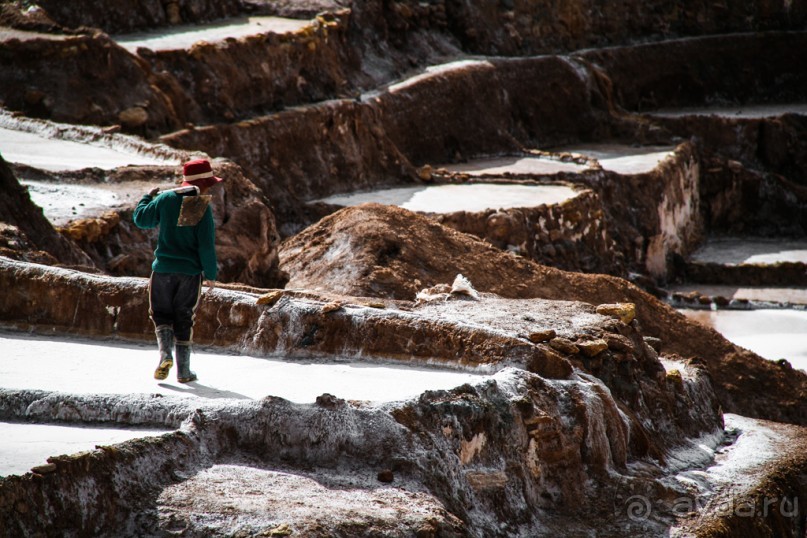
point(199, 173)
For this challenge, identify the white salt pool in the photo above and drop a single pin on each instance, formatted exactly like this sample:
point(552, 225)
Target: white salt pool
point(771, 333)
point(623, 159)
point(748, 293)
point(466, 197)
point(55, 154)
point(734, 251)
point(523, 165)
point(90, 367)
point(739, 111)
point(23, 446)
point(62, 203)
point(185, 36)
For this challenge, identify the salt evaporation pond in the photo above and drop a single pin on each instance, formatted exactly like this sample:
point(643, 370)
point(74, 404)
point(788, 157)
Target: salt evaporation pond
point(758, 294)
point(91, 367)
point(62, 203)
point(23, 446)
point(735, 251)
point(56, 155)
point(738, 111)
point(627, 160)
point(770, 333)
point(522, 165)
point(185, 36)
point(465, 197)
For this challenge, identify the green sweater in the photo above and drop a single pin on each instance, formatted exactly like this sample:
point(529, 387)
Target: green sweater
point(189, 250)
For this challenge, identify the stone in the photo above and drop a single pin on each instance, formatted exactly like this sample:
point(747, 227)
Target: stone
point(331, 307)
point(329, 401)
point(481, 481)
point(675, 377)
point(536, 337)
point(649, 351)
point(719, 300)
point(133, 117)
point(784, 364)
point(653, 342)
point(624, 311)
point(268, 299)
point(386, 476)
point(499, 226)
point(617, 342)
point(283, 529)
point(564, 345)
point(550, 364)
point(44, 469)
point(425, 172)
point(590, 348)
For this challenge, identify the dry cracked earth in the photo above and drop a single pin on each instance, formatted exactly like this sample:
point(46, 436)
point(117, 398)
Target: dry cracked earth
point(455, 242)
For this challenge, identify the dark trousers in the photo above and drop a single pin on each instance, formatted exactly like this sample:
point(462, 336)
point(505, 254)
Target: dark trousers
point(173, 299)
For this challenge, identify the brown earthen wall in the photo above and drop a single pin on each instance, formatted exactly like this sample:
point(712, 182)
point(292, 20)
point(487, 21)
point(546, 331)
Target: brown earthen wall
point(523, 27)
point(655, 215)
point(64, 301)
point(754, 172)
point(79, 79)
point(491, 106)
point(572, 235)
point(714, 69)
point(258, 74)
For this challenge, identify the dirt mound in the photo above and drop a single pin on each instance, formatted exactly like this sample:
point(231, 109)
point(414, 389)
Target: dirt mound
point(383, 251)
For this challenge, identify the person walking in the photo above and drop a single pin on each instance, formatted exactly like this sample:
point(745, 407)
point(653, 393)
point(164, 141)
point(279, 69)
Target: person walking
point(185, 254)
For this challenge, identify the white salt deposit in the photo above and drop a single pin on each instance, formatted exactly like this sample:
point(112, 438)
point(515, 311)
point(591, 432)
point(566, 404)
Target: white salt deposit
point(734, 251)
point(523, 165)
point(185, 36)
point(437, 70)
point(739, 111)
point(771, 333)
point(23, 446)
point(89, 367)
point(716, 478)
point(748, 293)
point(55, 154)
point(466, 197)
point(623, 159)
point(63, 202)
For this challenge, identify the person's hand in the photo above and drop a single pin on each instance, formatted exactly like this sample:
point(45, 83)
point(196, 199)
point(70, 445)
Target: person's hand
point(153, 192)
point(211, 285)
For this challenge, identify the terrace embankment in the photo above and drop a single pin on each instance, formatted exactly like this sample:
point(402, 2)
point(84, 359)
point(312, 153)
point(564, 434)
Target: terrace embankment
point(480, 439)
point(395, 253)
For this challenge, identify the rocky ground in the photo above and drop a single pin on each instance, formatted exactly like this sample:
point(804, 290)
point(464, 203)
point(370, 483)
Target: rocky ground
point(596, 408)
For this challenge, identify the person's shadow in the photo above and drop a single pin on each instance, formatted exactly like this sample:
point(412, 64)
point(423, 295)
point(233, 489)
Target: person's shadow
point(203, 391)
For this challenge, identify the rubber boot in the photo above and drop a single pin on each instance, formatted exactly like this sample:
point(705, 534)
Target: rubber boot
point(165, 341)
point(184, 374)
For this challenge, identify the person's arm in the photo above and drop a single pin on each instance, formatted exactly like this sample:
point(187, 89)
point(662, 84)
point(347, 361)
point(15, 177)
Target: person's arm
point(206, 233)
point(147, 214)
